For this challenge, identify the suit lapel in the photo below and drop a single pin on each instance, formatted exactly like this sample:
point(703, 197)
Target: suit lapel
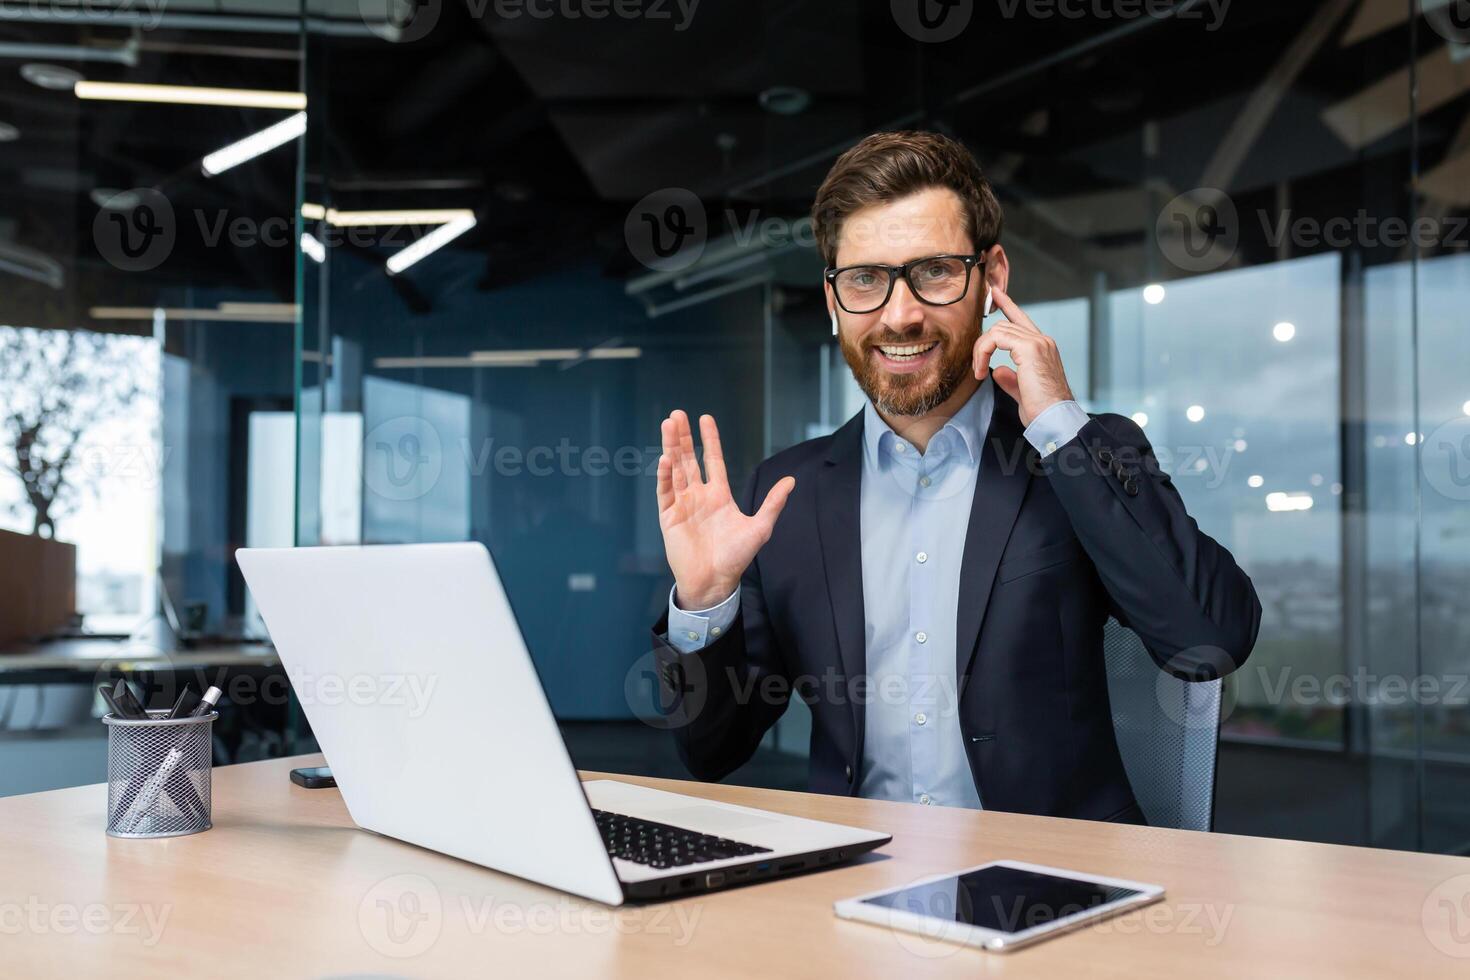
point(1006, 462)
point(839, 486)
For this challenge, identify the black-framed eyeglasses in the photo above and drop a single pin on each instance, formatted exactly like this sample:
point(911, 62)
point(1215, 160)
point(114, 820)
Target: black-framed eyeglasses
point(938, 280)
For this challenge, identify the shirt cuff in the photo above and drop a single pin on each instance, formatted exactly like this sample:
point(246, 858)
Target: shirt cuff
point(690, 631)
point(1056, 427)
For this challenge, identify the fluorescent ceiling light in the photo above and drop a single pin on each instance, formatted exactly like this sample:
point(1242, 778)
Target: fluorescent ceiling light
point(189, 95)
point(558, 354)
point(254, 145)
point(313, 248)
point(281, 309)
point(1279, 501)
point(510, 358)
point(421, 216)
point(448, 362)
point(242, 313)
point(313, 212)
point(429, 244)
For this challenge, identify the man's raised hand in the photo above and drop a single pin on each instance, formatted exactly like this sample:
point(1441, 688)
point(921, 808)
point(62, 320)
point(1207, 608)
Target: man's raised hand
point(708, 540)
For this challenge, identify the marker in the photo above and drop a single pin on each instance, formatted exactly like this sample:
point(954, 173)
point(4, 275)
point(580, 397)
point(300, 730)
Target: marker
point(206, 704)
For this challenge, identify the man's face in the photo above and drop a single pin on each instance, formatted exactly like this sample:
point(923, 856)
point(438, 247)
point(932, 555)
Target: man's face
point(909, 357)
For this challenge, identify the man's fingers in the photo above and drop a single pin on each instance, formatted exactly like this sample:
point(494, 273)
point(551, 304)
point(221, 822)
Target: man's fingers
point(775, 500)
point(1013, 312)
point(665, 483)
point(687, 461)
point(714, 454)
point(1006, 377)
point(984, 350)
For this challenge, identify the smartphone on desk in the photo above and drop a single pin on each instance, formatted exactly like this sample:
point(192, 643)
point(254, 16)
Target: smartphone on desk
point(999, 906)
point(313, 777)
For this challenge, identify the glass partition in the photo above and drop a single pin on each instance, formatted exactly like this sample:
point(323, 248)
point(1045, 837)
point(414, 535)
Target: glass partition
point(529, 232)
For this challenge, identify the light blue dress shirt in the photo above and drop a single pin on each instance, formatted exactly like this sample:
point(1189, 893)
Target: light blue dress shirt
point(914, 512)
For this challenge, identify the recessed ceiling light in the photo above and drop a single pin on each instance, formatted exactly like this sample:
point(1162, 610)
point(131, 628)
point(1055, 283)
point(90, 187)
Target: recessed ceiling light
point(785, 100)
point(52, 77)
point(1153, 294)
point(1194, 413)
point(112, 199)
point(8, 133)
point(1284, 331)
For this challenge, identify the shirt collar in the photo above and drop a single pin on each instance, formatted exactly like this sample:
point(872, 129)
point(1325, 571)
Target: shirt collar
point(968, 423)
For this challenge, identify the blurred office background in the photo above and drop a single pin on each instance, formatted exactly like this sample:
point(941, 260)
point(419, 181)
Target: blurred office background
point(1247, 231)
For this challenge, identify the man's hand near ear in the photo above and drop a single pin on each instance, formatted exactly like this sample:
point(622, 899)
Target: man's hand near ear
point(1038, 381)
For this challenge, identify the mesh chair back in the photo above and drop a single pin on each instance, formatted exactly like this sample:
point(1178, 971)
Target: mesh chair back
point(1167, 729)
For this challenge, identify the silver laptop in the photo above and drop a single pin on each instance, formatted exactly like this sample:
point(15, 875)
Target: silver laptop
point(412, 670)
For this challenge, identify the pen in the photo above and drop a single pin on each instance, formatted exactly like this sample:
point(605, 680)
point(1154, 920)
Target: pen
point(206, 704)
point(178, 710)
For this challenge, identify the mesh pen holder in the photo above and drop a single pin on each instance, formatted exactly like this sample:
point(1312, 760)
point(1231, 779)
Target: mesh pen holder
point(158, 774)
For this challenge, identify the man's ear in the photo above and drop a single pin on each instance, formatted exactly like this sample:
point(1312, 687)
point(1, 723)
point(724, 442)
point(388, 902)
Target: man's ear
point(998, 268)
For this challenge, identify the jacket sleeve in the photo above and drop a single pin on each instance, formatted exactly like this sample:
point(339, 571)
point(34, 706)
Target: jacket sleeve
point(1176, 587)
point(720, 700)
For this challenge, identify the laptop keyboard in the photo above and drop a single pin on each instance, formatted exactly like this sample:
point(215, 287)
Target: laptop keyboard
point(659, 845)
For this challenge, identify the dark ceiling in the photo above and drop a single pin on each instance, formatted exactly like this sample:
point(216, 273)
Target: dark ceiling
point(551, 128)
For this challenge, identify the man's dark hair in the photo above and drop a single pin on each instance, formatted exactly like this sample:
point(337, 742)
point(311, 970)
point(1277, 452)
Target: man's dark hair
point(887, 166)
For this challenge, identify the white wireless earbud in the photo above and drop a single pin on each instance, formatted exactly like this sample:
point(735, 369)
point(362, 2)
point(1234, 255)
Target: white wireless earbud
point(987, 303)
point(834, 323)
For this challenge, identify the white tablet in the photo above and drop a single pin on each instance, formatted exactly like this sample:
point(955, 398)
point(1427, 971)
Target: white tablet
point(999, 906)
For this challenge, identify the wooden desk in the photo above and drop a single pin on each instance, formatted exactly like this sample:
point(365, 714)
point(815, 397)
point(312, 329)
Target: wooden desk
point(284, 886)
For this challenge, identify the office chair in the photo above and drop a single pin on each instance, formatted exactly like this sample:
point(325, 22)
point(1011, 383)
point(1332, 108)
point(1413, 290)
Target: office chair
point(1168, 731)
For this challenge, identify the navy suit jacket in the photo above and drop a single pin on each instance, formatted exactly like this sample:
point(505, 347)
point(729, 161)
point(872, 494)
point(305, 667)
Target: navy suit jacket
point(1054, 546)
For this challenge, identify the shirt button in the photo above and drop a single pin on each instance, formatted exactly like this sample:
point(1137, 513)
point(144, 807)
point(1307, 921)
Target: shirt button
point(921, 557)
point(924, 799)
point(714, 631)
point(899, 447)
point(920, 718)
point(924, 481)
point(921, 636)
point(692, 635)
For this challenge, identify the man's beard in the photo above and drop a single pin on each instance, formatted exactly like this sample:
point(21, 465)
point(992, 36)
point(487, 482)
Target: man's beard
point(908, 394)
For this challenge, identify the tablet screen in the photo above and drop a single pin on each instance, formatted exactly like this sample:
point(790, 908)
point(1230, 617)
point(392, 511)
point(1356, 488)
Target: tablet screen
point(1004, 899)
